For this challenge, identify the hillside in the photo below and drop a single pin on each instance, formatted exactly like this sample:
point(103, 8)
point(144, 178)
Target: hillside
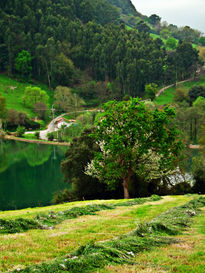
point(84, 45)
point(168, 95)
point(13, 91)
point(115, 230)
point(126, 7)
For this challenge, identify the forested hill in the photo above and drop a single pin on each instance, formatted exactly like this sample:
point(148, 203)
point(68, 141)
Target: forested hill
point(34, 11)
point(84, 45)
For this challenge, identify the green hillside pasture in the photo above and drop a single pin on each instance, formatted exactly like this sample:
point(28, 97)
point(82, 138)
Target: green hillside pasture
point(183, 257)
point(155, 36)
point(13, 91)
point(37, 246)
point(167, 96)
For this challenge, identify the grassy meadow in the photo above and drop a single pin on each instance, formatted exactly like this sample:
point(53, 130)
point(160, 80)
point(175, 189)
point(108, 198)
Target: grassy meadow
point(168, 95)
point(35, 246)
point(13, 91)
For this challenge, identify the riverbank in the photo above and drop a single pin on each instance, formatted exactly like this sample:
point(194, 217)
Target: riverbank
point(37, 141)
point(191, 146)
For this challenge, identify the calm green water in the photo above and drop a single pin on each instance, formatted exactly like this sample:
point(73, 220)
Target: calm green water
point(29, 174)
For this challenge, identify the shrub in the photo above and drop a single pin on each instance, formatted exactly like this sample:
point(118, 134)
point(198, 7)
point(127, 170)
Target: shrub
point(198, 170)
point(50, 136)
point(20, 131)
point(37, 135)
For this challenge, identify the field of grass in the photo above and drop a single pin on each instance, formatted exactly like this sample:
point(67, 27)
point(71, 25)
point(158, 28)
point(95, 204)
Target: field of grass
point(168, 95)
point(188, 256)
point(38, 245)
point(13, 91)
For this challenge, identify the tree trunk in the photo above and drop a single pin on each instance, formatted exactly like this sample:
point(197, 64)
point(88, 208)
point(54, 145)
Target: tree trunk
point(126, 181)
point(125, 188)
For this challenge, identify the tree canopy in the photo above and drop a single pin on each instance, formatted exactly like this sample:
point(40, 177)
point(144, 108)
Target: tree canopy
point(134, 139)
point(33, 95)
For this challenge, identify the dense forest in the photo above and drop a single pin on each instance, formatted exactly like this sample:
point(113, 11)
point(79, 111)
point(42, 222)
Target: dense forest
point(86, 45)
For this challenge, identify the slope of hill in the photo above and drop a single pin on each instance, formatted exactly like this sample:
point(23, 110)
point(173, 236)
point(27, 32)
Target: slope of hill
point(96, 229)
point(83, 45)
point(13, 91)
point(125, 6)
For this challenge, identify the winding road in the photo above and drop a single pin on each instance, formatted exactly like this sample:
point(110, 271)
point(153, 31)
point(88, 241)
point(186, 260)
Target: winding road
point(52, 126)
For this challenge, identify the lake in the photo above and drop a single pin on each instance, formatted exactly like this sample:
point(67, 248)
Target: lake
point(29, 174)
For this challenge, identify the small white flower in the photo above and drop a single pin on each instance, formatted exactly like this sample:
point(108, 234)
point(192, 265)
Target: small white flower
point(131, 253)
point(63, 266)
point(75, 257)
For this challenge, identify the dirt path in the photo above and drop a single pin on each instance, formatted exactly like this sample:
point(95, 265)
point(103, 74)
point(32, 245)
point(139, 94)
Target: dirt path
point(171, 85)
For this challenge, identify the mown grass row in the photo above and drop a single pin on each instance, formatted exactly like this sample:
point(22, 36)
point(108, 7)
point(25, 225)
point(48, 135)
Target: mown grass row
point(122, 250)
point(49, 220)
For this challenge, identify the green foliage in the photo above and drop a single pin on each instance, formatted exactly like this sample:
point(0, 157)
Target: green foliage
point(33, 95)
point(196, 91)
point(2, 107)
point(122, 250)
point(63, 71)
point(20, 131)
point(66, 100)
point(150, 91)
point(126, 6)
point(154, 19)
point(13, 91)
point(181, 94)
point(18, 225)
point(23, 63)
point(70, 39)
point(202, 41)
point(80, 152)
point(198, 170)
point(186, 59)
point(49, 220)
point(41, 109)
point(199, 103)
point(142, 27)
point(134, 139)
point(171, 43)
point(37, 135)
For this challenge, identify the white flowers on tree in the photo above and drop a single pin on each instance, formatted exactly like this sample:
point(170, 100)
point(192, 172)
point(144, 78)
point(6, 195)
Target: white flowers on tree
point(134, 139)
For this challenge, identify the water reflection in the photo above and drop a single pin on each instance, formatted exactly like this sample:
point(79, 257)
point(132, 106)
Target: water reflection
point(29, 174)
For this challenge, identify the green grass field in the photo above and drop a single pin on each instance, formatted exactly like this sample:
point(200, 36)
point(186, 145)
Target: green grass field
point(36, 246)
point(13, 91)
point(167, 97)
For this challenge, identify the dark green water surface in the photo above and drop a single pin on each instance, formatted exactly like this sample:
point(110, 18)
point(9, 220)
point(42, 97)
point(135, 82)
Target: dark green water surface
point(29, 174)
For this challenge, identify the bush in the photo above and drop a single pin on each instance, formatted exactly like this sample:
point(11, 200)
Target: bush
point(63, 196)
point(2, 134)
point(20, 131)
point(181, 188)
point(50, 136)
point(198, 170)
point(37, 135)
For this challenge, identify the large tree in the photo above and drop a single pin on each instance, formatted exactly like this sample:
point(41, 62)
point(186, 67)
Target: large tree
point(134, 139)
